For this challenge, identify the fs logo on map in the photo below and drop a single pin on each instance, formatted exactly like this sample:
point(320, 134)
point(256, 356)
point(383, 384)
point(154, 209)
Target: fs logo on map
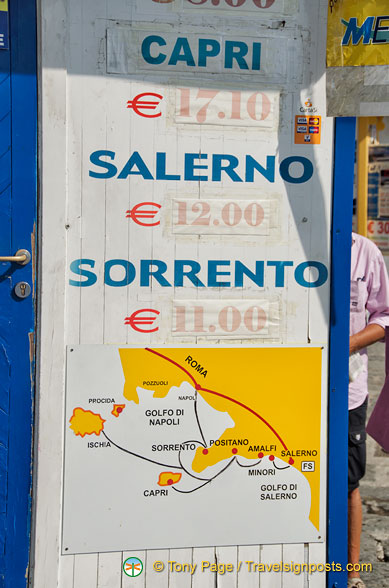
point(143, 211)
point(142, 320)
point(139, 105)
point(373, 31)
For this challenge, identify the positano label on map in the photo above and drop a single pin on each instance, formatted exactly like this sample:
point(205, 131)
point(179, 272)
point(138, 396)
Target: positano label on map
point(234, 446)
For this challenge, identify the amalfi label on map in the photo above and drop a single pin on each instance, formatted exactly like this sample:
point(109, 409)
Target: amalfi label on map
point(165, 433)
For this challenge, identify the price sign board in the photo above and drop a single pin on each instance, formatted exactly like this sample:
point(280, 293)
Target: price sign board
point(195, 243)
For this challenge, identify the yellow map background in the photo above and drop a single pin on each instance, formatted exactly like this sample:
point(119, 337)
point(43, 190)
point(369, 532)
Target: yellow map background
point(282, 385)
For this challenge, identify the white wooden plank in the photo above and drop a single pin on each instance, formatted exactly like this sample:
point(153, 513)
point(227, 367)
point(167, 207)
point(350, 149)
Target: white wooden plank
point(139, 581)
point(117, 226)
point(226, 556)
point(85, 571)
point(181, 579)
point(247, 577)
point(48, 448)
point(293, 553)
point(199, 579)
point(115, 299)
point(154, 578)
point(317, 555)
point(140, 243)
point(74, 178)
point(270, 554)
point(93, 205)
point(110, 570)
point(66, 571)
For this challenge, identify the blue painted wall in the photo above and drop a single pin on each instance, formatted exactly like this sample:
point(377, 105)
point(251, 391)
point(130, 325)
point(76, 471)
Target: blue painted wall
point(18, 165)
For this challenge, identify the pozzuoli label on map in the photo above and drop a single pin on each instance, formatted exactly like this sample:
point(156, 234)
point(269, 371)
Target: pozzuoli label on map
point(199, 162)
point(358, 33)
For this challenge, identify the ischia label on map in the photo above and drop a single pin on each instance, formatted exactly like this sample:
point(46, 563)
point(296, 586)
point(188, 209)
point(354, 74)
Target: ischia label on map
point(172, 447)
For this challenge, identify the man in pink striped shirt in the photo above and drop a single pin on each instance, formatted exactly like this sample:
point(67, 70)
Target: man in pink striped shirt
point(369, 315)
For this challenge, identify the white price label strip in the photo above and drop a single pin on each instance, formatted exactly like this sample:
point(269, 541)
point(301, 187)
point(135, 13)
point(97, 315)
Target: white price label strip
point(256, 109)
point(226, 318)
point(219, 217)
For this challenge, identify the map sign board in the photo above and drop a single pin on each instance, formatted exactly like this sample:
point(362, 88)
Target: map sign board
point(168, 432)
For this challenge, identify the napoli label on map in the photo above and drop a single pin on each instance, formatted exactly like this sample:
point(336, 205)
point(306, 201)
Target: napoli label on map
point(171, 447)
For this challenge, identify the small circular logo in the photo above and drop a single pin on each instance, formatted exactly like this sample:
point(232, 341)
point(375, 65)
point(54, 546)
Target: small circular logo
point(133, 567)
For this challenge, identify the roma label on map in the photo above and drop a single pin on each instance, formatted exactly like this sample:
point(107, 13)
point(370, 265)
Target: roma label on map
point(172, 447)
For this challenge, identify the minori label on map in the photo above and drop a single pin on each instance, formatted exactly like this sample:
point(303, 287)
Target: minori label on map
point(153, 435)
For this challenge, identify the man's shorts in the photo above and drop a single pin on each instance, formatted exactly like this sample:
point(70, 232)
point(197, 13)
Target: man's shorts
point(356, 445)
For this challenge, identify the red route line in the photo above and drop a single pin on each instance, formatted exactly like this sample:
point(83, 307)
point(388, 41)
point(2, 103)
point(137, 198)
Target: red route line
point(198, 387)
point(250, 410)
point(176, 364)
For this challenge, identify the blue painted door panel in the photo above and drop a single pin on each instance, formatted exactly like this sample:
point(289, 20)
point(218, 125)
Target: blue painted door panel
point(339, 348)
point(18, 138)
point(5, 244)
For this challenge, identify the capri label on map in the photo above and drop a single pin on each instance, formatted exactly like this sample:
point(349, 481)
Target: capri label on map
point(192, 447)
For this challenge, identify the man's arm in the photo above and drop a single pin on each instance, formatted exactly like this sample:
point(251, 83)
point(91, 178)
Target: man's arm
point(369, 335)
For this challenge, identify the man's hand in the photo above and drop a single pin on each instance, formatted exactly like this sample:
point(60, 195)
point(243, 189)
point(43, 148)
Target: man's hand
point(369, 335)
